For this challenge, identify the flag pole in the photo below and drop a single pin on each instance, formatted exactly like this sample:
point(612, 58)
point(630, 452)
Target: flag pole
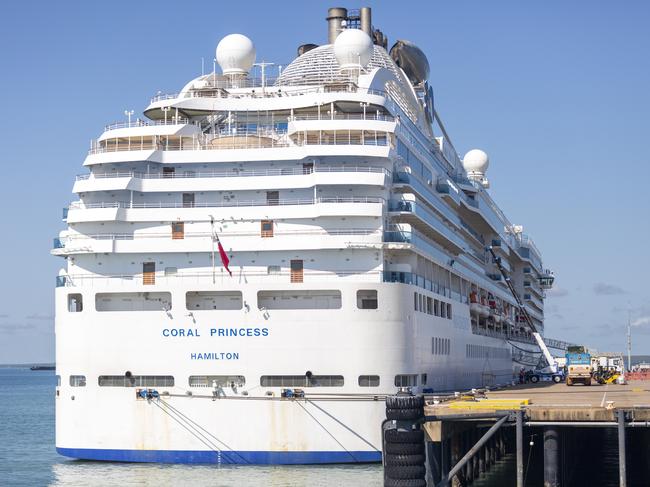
point(212, 239)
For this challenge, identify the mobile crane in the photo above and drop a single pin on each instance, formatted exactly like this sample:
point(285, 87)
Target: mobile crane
point(551, 369)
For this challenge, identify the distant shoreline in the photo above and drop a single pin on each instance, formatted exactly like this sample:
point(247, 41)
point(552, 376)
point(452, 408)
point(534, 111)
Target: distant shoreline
point(27, 365)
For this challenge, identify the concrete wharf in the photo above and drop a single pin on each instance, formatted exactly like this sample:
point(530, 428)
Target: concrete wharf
point(466, 434)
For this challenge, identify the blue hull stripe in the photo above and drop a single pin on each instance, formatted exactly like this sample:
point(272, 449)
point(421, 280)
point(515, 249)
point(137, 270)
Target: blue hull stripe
point(223, 457)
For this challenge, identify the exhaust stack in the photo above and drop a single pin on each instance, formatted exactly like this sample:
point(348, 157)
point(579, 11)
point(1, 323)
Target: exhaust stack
point(366, 20)
point(335, 16)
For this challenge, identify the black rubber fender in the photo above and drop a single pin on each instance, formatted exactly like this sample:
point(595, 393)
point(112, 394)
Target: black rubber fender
point(404, 402)
point(388, 482)
point(404, 460)
point(404, 414)
point(406, 472)
point(404, 436)
point(404, 448)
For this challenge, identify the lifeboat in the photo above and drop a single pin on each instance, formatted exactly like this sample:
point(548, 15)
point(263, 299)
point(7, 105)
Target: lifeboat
point(485, 309)
point(475, 308)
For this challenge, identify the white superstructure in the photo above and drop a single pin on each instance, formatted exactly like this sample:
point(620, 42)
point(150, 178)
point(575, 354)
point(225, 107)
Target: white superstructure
point(356, 238)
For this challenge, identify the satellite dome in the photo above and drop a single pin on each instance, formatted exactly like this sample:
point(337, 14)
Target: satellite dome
point(476, 161)
point(235, 54)
point(353, 48)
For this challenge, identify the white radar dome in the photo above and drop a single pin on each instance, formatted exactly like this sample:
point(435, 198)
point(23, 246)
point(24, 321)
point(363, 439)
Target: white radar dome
point(353, 48)
point(476, 161)
point(235, 54)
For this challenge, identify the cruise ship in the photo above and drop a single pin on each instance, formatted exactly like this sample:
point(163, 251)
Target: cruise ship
point(256, 261)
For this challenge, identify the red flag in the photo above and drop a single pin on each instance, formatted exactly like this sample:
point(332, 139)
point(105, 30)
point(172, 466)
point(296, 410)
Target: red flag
point(222, 253)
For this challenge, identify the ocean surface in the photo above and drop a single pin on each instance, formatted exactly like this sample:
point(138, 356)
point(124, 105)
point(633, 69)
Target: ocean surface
point(28, 457)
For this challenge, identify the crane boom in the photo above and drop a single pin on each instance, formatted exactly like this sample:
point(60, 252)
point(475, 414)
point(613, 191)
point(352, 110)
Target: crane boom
point(522, 309)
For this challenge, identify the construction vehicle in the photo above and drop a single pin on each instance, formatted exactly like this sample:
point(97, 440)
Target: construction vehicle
point(578, 364)
point(549, 367)
point(608, 368)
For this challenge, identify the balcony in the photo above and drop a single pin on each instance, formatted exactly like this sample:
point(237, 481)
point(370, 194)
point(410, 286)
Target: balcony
point(416, 213)
point(202, 241)
point(78, 205)
point(420, 281)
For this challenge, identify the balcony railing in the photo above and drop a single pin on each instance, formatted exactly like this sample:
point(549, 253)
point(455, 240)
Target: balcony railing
point(420, 281)
point(202, 277)
point(172, 120)
point(369, 116)
point(297, 171)
point(61, 242)
point(77, 205)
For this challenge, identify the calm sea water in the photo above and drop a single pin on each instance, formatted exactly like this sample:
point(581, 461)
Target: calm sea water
point(28, 457)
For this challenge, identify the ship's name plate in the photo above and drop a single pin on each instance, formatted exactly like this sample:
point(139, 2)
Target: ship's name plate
point(215, 332)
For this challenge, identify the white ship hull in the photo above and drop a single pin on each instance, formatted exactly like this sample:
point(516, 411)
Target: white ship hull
point(114, 424)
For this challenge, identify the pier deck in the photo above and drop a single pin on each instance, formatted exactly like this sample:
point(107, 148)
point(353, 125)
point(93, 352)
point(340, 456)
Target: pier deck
point(559, 402)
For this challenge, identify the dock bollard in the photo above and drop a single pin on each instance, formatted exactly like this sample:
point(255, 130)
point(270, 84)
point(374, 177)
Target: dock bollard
point(403, 442)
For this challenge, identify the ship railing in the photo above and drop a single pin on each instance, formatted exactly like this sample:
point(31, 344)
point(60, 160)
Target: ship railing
point(269, 91)
point(424, 283)
point(60, 242)
point(146, 123)
point(219, 204)
point(294, 171)
point(238, 277)
point(238, 141)
point(369, 116)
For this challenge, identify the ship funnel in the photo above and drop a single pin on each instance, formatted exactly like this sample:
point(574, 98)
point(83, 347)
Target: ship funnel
point(366, 20)
point(335, 18)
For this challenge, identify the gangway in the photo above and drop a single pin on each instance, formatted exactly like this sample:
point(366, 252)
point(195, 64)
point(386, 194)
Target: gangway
point(552, 367)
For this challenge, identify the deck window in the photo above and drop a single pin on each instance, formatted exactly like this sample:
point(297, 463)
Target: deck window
point(135, 381)
point(133, 301)
point(217, 381)
point(188, 200)
point(75, 303)
point(78, 380)
point(148, 273)
point(267, 228)
point(307, 299)
point(178, 230)
point(406, 380)
point(272, 198)
point(367, 299)
point(202, 300)
point(368, 381)
point(297, 271)
point(301, 381)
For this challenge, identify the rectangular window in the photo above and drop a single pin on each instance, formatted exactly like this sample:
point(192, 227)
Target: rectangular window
point(217, 381)
point(420, 303)
point(135, 381)
point(168, 172)
point(307, 167)
point(202, 300)
point(133, 301)
point(443, 309)
point(368, 381)
point(448, 311)
point(188, 200)
point(367, 299)
point(75, 303)
point(415, 301)
point(301, 381)
point(308, 299)
point(267, 228)
point(178, 230)
point(429, 305)
point(296, 271)
point(423, 379)
point(78, 380)
point(272, 198)
point(148, 273)
point(436, 307)
point(273, 269)
point(406, 380)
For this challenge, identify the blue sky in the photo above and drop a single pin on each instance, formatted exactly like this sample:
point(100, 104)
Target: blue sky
point(555, 92)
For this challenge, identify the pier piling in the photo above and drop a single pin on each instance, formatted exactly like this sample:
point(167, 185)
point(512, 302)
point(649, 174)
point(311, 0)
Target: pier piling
point(622, 471)
point(551, 456)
